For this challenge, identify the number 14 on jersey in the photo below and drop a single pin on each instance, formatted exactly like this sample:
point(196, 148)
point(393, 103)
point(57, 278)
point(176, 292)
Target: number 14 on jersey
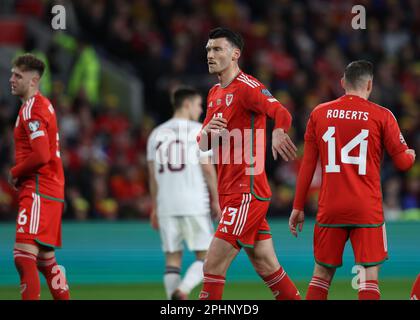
point(360, 139)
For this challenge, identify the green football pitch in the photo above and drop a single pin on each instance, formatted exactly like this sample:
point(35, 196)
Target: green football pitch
point(391, 289)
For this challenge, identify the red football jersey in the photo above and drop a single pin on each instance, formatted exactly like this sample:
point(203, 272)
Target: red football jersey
point(350, 134)
point(245, 103)
point(37, 120)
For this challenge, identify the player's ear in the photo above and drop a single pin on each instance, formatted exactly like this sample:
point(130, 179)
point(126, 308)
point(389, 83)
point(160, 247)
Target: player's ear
point(236, 53)
point(369, 85)
point(342, 82)
point(35, 80)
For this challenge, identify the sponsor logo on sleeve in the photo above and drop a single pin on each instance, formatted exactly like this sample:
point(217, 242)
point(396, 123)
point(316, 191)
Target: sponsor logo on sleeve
point(37, 134)
point(266, 92)
point(269, 95)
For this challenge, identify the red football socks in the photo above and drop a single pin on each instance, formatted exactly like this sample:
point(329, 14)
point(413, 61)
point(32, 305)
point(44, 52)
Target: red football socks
point(415, 292)
point(30, 286)
point(212, 287)
point(318, 289)
point(55, 277)
point(282, 287)
point(369, 290)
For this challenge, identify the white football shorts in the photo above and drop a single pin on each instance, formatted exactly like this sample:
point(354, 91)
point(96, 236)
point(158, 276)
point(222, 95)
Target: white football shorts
point(197, 232)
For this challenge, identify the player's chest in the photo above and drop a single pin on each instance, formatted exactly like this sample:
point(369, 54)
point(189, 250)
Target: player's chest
point(228, 104)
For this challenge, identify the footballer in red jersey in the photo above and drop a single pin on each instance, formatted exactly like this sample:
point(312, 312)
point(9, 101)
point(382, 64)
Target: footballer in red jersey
point(39, 179)
point(349, 136)
point(235, 129)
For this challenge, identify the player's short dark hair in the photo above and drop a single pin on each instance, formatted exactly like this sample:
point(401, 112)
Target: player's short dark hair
point(356, 71)
point(181, 94)
point(233, 37)
point(28, 62)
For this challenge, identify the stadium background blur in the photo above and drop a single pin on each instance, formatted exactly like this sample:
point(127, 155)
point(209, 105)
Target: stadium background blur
point(109, 76)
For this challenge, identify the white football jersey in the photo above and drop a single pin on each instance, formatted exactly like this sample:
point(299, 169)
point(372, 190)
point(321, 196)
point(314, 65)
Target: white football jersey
point(173, 148)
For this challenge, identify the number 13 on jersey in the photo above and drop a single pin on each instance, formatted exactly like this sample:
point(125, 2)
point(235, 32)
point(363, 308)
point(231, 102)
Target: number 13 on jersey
point(360, 139)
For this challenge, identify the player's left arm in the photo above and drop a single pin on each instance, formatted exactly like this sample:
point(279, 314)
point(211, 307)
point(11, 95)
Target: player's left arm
point(304, 179)
point(153, 194)
point(402, 157)
point(260, 100)
point(36, 130)
point(153, 187)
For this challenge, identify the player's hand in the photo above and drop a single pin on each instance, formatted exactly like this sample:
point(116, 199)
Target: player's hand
point(283, 145)
point(412, 152)
point(12, 181)
point(297, 218)
point(215, 210)
point(215, 126)
point(154, 220)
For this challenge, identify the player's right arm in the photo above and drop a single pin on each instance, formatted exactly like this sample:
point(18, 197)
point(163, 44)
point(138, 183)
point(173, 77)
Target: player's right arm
point(306, 173)
point(210, 131)
point(35, 127)
point(402, 157)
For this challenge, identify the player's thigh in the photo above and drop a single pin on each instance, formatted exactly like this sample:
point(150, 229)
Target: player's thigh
point(329, 245)
point(242, 217)
point(38, 221)
point(369, 245)
point(170, 233)
point(197, 231)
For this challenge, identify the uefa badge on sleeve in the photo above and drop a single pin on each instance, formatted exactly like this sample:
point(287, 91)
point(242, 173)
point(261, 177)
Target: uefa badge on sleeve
point(229, 98)
point(33, 126)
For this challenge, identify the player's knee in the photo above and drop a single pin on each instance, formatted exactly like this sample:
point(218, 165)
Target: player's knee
point(211, 266)
point(324, 272)
point(23, 260)
point(265, 266)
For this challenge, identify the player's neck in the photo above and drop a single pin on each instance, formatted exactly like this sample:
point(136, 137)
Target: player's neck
point(360, 94)
point(29, 94)
point(227, 76)
point(181, 114)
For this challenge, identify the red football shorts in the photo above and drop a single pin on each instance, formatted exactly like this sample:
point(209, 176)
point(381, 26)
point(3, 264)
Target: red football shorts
point(369, 245)
point(243, 220)
point(39, 220)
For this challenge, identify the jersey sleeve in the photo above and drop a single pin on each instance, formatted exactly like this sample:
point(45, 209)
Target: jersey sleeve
point(260, 100)
point(35, 122)
point(308, 166)
point(393, 139)
point(395, 143)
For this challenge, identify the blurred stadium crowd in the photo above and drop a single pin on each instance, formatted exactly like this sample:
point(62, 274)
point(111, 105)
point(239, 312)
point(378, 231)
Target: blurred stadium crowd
point(298, 49)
